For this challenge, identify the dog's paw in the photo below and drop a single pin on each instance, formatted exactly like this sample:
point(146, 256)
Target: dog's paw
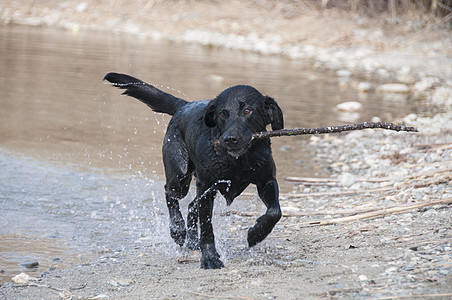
point(178, 233)
point(211, 263)
point(255, 236)
point(258, 233)
point(264, 225)
point(210, 258)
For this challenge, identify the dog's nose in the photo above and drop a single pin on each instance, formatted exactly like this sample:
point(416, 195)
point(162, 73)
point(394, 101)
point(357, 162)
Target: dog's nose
point(230, 139)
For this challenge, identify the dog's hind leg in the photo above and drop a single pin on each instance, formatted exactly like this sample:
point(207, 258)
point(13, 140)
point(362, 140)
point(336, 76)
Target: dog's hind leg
point(178, 172)
point(177, 224)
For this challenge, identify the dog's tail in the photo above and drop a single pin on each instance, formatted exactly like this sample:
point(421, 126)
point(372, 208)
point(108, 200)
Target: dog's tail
point(157, 100)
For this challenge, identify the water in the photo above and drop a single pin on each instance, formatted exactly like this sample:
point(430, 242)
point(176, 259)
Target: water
point(78, 162)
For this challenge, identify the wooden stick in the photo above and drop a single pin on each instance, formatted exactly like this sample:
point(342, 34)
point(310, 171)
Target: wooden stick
point(378, 213)
point(334, 129)
point(348, 192)
point(334, 180)
point(429, 173)
point(330, 212)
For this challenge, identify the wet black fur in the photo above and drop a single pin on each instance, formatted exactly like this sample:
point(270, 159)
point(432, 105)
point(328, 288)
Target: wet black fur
point(228, 165)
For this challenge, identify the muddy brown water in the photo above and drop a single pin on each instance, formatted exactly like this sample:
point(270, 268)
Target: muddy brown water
point(80, 167)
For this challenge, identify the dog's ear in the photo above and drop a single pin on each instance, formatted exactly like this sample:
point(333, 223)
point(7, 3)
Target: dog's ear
point(274, 113)
point(209, 117)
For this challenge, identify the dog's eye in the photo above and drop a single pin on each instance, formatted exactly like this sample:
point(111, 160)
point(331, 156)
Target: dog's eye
point(224, 114)
point(246, 111)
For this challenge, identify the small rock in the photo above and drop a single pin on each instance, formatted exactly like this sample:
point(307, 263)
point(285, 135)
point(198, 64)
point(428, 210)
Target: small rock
point(343, 73)
point(426, 84)
point(124, 282)
point(81, 7)
point(313, 140)
point(444, 272)
point(363, 278)
point(21, 278)
point(375, 119)
point(100, 296)
point(290, 209)
point(393, 88)
point(405, 70)
point(349, 106)
point(383, 73)
point(113, 283)
point(348, 179)
point(442, 97)
point(364, 87)
point(216, 78)
point(390, 270)
point(30, 265)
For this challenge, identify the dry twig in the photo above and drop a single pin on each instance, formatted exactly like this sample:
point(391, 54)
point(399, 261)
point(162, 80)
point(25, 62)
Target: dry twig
point(349, 192)
point(378, 213)
point(334, 129)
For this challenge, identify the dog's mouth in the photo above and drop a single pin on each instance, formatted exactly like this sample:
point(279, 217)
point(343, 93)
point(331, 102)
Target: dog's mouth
point(237, 152)
point(236, 145)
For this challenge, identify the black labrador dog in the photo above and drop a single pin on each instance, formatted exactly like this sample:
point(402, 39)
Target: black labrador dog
point(212, 140)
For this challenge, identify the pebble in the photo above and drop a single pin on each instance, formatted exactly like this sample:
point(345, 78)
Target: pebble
point(81, 7)
point(343, 73)
point(365, 87)
point(363, 278)
point(348, 179)
point(121, 282)
point(290, 209)
point(393, 88)
point(442, 96)
point(426, 84)
point(100, 296)
point(30, 265)
point(216, 78)
point(390, 270)
point(21, 278)
point(350, 106)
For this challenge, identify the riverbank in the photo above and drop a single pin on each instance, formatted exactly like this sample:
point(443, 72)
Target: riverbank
point(412, 46)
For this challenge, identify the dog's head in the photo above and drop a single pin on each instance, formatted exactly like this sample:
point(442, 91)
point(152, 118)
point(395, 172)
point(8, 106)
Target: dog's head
point(240, 111)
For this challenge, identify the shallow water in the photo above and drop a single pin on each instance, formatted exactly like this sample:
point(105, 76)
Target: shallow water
point(79, 163)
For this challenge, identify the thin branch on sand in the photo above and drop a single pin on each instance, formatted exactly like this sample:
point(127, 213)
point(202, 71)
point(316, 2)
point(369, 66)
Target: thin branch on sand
point(382, 212)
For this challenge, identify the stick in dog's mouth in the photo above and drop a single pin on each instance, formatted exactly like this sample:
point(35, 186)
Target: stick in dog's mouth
point(330, 129)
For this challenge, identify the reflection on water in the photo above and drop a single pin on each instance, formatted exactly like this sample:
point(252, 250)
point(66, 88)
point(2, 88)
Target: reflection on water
point(55, 109)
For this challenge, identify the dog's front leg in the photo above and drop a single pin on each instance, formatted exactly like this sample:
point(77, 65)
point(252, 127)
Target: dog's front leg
point(210, 258)
point(269, 193)
point(192, 225)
